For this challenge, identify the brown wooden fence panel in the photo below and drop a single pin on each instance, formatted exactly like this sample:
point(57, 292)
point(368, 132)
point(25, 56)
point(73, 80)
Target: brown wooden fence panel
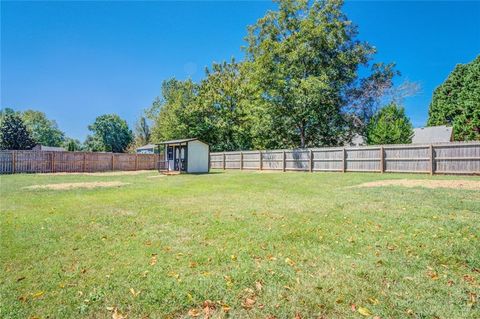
point(52, 162)
point(447, 158)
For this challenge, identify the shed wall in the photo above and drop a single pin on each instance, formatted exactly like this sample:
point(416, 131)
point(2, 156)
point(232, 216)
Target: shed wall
point(198, 157)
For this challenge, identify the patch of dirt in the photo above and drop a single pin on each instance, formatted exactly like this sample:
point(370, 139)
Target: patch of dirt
point(64, 186)
point(114, 173)
point(427, 183)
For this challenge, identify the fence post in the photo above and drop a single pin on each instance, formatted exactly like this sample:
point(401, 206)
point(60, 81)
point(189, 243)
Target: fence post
point(14, 161)
point(311, 161)
point(84, 162)
point(261, 160)
point(52, 161)
point(241, 160)
point(113, 161)
point(284, 161)
point(224, 161)
point(344, 160)
point(432, 160)
point(382, 160)
point(136, 161)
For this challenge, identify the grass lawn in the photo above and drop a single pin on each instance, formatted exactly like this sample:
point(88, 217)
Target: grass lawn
point(238, 245)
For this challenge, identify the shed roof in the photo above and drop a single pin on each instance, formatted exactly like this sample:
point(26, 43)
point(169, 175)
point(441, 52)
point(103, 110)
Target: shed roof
point(432, 134)
point(185, 140)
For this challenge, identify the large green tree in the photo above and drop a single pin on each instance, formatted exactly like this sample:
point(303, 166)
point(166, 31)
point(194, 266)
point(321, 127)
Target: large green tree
point(110, 134)
point(44, 131)
point(14, 135)
point(456, 102)
point(171, 111)
point(389, 125)
point(305, 57)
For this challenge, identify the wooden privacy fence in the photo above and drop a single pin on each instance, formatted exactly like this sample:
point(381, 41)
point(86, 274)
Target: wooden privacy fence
point(449, 158)
point(52, 162)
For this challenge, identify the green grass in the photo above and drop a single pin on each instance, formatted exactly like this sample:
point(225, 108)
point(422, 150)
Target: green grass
point(294, 243)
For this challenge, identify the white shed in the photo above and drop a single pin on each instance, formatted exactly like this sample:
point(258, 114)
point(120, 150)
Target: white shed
point(188, 155)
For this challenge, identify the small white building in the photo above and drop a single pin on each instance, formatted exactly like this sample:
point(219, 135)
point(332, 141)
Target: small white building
point(186, 155)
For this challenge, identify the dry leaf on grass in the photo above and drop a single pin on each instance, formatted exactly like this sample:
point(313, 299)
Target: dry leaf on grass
point(194, 312)
point(153, 260)
point(248, 303)
point(364, 311)
point(117, 314)
point(289, 261)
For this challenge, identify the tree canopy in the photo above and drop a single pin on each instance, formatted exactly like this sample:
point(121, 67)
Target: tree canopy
point(299, 85)
point(456, 102)
point(110, 134)
point(44, 131)
point(389, 125)
point(14, 134)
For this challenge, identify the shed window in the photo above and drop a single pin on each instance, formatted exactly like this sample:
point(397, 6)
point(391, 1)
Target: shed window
point(170, 153)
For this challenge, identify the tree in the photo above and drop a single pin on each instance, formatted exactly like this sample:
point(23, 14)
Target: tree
point(390, 125)
point(171, 111)
point(14, 135)
point(110, 134)
point(305, 58)
point(72, 145)
point(44, 131)
point(456, 102)
point(142, 132)
point(223, 108)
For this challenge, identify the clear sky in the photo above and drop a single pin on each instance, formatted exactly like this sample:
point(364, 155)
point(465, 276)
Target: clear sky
point(77, 60)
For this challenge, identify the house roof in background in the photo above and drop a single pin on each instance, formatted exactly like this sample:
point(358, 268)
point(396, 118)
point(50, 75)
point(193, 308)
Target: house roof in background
point(432, 134)
point(48, 148)
point(147, 147)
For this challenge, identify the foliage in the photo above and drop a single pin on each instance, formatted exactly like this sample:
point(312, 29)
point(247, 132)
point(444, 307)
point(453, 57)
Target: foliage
point(44, 131)
point(305, 57)
point(390, 125)
point(110, 134)
point(142, 132)
point(456, 102)
point(72, 145)
point(298, 87)
point(170, 113)
point(280, 245)
point(14, 135)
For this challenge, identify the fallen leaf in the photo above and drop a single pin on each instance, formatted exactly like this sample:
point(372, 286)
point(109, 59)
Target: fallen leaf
point(134, 293)
point(364, 311)
point(258, 285)
point(233, 257)
point(194, 313)
point(373, 301)
point(353, 307)
point(290, 262)
point(153, 260)
point(38, 294)
point(298, 316)
point(226, 308)
point(248, 303)
point(21, 278)
point(117, 314)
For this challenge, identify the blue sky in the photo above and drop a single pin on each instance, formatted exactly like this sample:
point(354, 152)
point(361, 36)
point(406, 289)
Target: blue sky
point(77, 60)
